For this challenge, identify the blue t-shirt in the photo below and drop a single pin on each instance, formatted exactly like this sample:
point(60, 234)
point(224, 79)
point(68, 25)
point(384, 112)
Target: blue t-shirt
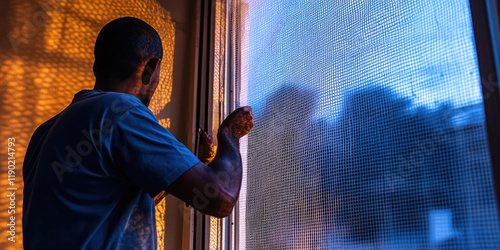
point(91, 172)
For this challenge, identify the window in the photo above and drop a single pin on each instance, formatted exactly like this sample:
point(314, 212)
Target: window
point(369, 127)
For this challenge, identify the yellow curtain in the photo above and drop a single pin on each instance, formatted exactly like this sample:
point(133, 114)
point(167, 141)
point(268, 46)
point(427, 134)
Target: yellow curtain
point(45, 59)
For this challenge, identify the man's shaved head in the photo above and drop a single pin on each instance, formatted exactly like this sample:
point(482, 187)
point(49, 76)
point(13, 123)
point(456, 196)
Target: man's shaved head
point(122, 45)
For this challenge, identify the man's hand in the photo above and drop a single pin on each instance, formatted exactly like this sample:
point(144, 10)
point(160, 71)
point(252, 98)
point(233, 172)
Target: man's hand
point(239, 122)
point(206, 150)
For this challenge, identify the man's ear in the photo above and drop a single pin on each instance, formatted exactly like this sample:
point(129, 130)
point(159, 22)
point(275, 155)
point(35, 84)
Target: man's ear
point(149, 70)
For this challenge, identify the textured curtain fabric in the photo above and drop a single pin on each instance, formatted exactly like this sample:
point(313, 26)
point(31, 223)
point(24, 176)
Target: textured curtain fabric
point(46, 57)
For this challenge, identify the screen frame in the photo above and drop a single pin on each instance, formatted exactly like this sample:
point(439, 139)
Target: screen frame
point(485, 15)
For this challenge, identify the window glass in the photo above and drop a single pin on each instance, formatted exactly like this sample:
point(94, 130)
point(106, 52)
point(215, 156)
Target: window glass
point(369, 127)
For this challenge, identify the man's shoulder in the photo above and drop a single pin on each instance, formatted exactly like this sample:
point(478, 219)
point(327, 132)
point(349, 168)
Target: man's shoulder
point(42, 130)
point(35, 142)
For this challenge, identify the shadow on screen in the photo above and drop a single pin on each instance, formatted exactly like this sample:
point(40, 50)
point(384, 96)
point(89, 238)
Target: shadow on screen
point(380, 175)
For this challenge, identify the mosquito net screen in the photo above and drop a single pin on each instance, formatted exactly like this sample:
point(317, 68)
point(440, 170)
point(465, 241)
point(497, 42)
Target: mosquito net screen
point(369, 127)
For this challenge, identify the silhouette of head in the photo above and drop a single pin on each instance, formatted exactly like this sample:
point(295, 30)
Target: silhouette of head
point(122, 45)
point(291, 105)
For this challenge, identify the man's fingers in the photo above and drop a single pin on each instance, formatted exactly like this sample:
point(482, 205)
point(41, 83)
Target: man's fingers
point(246, 108)
point(239, 122)
point(242, 110)
point(207, 138)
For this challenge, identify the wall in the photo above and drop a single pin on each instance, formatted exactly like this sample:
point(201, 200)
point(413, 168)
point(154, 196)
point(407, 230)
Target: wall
point(46, 56)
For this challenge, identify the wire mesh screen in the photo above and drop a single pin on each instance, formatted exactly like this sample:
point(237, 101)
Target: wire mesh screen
point(369, 127)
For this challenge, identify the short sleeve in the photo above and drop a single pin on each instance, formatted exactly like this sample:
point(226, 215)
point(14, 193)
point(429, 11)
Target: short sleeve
point(146, 153)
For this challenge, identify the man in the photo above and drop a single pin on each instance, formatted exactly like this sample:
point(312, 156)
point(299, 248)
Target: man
point(91, 172)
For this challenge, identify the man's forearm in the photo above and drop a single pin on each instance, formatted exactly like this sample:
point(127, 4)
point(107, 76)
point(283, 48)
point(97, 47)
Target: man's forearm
point(227, 163)
point(214, 189)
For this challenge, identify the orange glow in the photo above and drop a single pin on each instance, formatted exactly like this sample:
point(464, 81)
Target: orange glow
point(48, 60)
point(216, 228)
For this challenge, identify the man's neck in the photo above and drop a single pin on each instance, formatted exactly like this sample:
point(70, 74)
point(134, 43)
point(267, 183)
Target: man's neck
point(127, 87)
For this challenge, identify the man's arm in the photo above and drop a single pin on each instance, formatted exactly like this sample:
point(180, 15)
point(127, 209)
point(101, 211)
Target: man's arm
point(214, 189)
point(206, 153)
